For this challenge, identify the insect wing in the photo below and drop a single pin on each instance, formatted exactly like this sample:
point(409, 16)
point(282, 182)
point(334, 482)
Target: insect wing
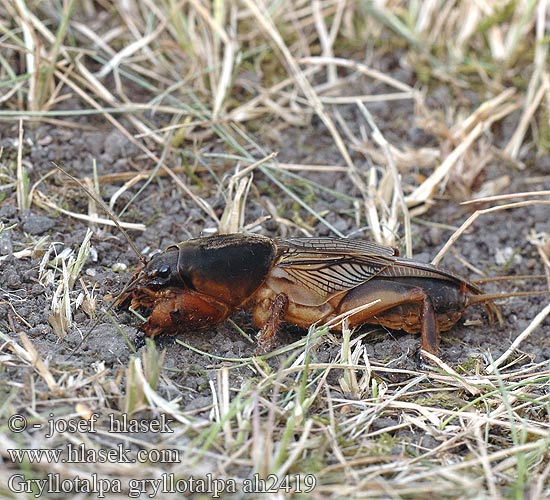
point(340, 246)
point(408, 268)
point(327, 265)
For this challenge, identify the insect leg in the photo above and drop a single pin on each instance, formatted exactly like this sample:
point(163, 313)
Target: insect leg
point(177, 311)
point(386, 312)
point(277, 311)
point(429, 331)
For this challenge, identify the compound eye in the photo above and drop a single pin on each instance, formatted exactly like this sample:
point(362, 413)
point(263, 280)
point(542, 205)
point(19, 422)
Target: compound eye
point(164, 271)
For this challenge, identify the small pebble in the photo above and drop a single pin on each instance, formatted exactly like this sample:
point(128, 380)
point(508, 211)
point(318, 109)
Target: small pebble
point(119, 267)
point(37, 224)
point(503, 256)
point(6, 247)
point(45, 141)
point(434, 234)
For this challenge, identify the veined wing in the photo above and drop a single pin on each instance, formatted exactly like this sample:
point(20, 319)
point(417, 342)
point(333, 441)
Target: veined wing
point(408, 268)
point(336, 245)
point(328, 265)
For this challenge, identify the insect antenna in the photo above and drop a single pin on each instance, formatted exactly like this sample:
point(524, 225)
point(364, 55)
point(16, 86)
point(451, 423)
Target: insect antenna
point(102, 204)
point(486, 297)
point(520, 277)
point(491, 308)
point(114, 218)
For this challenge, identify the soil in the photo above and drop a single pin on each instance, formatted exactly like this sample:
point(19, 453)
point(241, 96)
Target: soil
point(171, 217)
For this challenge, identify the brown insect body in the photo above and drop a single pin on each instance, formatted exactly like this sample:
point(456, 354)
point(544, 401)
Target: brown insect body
point(198, 283)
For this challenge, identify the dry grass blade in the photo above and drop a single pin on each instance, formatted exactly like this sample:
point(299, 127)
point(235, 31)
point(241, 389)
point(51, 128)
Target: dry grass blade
point(408, 91)
point(38, 364)
point(35, 250)
point(43, 201)
point(125, 53)
point(304, 85)
point(542, 242)
point(398, 196)
point(61, 314)
point(537, 320)
point(468, 131)
point(528, 194)
point(341, 318)
point(474, 216)
point(512, 149)
point(23, 200)
point(232, 219)
point(447, 369)
point(539, 84)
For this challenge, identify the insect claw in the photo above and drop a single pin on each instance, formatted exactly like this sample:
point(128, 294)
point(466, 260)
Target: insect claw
point(267, 339)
